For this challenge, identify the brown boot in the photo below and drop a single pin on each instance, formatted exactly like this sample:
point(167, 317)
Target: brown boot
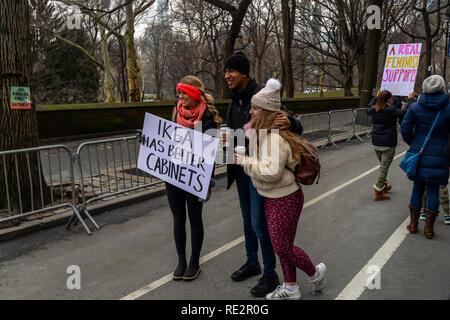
point(387, 187)
point(380, 194)
point(429, 223)
point(414, 214)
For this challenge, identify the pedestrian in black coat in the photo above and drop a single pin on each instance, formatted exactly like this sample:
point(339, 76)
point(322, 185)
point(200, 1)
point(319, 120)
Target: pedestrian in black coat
point(385, 116)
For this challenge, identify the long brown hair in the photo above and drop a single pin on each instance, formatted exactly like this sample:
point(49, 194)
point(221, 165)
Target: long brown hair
point(382, 100)
point(265, 121)
point(196, 82)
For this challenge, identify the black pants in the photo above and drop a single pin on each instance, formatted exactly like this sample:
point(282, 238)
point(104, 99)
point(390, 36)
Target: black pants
point(178, 199)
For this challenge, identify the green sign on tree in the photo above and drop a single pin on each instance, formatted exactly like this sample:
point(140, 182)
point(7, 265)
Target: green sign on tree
point(20, 98)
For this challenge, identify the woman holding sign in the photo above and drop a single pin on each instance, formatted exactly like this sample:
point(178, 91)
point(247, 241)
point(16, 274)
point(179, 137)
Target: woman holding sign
point(271, 168)
point(385, 115)
point(193, 106)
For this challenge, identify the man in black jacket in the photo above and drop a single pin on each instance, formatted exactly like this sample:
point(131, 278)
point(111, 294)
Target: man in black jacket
point(237, 69)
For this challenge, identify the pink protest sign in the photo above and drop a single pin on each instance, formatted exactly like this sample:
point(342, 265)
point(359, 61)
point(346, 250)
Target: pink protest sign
point(400, 70)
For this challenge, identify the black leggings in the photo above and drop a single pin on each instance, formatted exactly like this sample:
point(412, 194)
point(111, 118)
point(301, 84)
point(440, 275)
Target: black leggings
point(177, 202)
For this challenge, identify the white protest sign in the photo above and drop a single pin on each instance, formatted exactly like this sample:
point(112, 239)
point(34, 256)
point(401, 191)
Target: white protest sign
point(400, 70)
point(177, 155)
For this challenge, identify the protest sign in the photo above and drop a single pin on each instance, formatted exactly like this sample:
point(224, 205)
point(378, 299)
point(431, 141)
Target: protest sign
point(177, 155)
point(400, 70)
point(20, 98)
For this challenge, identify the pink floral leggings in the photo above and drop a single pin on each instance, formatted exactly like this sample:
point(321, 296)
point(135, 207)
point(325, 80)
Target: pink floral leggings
point(282, 216)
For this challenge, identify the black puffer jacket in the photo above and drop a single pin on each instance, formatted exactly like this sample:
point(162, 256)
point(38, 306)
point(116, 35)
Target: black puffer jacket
point(384, 124)
point(239, 114)
point(447, 149)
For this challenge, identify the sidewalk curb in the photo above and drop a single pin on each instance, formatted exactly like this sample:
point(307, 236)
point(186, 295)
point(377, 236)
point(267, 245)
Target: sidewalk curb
point(28, 227)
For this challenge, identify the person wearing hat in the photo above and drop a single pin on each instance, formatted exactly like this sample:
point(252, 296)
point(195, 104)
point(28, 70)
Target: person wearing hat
point(274, 154)
point(243, 88)
point(433, 166)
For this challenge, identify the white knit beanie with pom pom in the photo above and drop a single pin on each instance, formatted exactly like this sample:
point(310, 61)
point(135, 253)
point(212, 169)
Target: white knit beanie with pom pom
point(269, 97)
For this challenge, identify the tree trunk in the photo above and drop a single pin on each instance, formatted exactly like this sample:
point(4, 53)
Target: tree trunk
point(348, 81)
point(123, 90)
point(321, 80)
point(428, 55)
point(428, 42)
point(371, 68)
point(132, 66)
point(287, 13)
point(18, 128)
point(232, 35)
point(259, 63)
point(107, 68)
point(361, 71)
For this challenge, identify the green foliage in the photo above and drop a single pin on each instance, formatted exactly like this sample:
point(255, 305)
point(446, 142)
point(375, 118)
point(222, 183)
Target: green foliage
point(62, 73)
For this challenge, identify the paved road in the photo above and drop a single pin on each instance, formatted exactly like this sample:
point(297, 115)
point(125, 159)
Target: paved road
point(341, 225)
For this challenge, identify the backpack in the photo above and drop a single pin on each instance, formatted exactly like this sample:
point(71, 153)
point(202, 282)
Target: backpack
point(307, 172)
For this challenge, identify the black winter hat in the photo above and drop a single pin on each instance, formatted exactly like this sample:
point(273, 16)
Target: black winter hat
point(238, 61)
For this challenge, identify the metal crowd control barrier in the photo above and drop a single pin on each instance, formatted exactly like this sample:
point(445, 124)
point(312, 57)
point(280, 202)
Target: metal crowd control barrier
point(328, 125)
point(341, 122)
point(49, 187)
point(362, 122)
point(316, 127)
point(108, 168)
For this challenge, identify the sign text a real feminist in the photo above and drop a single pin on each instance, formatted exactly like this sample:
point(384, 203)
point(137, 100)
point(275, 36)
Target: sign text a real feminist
point(400, 70)
point(177, 155)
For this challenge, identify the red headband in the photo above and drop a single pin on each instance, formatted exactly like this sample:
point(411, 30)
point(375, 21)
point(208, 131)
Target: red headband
point(191, 91)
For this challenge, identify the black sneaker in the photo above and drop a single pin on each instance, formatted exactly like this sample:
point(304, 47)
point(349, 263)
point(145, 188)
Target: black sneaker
point(265, 286)
point(191, 272)
point(246, 271)
point(179, 271)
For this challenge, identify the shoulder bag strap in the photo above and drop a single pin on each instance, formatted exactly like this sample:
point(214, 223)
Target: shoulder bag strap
point(430, 132)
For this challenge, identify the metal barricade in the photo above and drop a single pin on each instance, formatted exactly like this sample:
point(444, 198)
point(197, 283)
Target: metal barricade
point(362, 123)
point(108, 168)
point(37, 180)
point(316, 126)
point(341, 122)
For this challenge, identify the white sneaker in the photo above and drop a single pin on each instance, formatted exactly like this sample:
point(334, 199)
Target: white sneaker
point(318, 283)
point(423, 216)
point(283, 293)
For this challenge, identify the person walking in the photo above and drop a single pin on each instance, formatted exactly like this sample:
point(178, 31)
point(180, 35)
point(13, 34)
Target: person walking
point(275, 154)
point(243, 88)
point(433, 106)
point(443, 201)
point(194, 105)
point(385, 116)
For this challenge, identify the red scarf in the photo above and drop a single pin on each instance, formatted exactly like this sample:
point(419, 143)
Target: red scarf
point(188, 117)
